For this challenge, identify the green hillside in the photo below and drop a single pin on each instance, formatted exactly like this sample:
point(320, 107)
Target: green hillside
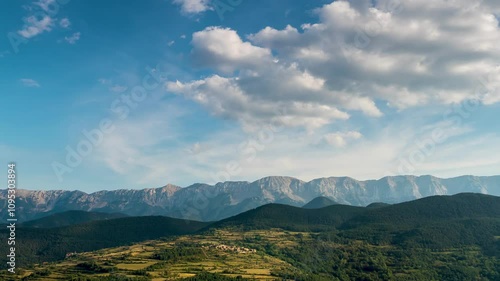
point(292, 218)
point(434, 208)
point(49, 244)
point(70, 218)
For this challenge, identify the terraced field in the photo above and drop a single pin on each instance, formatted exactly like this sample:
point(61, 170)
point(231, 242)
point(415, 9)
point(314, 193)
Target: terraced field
point(138, 260)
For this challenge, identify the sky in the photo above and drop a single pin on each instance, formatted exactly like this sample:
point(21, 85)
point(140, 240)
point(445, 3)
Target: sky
point(137, 94)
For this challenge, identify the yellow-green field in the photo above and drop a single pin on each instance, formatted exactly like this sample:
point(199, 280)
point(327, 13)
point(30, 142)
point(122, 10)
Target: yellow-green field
point(129, 260)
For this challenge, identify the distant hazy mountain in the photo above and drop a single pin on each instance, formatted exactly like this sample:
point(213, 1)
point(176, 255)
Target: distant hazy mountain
point(70, 218)
point(213, 202)
point(319, 202)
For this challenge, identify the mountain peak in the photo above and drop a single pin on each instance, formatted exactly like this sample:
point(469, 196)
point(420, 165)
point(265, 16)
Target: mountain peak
point(276, 179)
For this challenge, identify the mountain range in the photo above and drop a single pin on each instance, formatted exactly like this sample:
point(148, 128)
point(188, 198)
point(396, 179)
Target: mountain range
point(435, 222)
point(204, 202)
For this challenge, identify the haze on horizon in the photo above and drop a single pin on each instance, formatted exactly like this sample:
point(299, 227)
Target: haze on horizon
point(114, 94)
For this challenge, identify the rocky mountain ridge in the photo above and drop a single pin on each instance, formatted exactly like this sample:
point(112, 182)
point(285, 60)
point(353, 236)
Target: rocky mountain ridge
point(213, 202)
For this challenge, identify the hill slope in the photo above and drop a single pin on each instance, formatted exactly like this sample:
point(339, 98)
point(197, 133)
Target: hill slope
point(438, 222)
point(434, 208)
point(48, 244)
point(319, 202)
point(291, 218)
point(70, 218)
point(377, 205)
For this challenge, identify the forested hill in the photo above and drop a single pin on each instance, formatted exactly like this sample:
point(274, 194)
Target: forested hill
point(49, 244)
point(70, 218)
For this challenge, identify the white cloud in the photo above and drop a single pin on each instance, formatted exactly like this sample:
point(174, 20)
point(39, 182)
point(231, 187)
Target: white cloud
point(225, 98)
point(193, 6)
point(223, 49)
point(30, 83)
point(198, 148)
point(136, 145)
point(409, 55)
point(472, 155)
point(284, 154)
point(64, 23)
point(73, 38)
point(33, 26)
point(265, 88)
point(355, 57)
point(171, 43)
point(46, 5)
point(299, 77)
point(148, 143)
point(341, 139)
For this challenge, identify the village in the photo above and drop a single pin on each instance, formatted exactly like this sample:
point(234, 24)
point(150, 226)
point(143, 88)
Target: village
point(227, 248)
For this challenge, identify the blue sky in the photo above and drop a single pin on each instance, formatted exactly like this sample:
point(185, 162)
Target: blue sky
point(297, 88)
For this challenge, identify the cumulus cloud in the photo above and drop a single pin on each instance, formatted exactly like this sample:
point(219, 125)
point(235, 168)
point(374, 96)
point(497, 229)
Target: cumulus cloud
point(34, 26)
point(224, 50)
point(224, 97)
point(254, 87)
point(357, 56)
point(193, 6)
point(407, 54)
point(30, 83)
point(73, 38)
